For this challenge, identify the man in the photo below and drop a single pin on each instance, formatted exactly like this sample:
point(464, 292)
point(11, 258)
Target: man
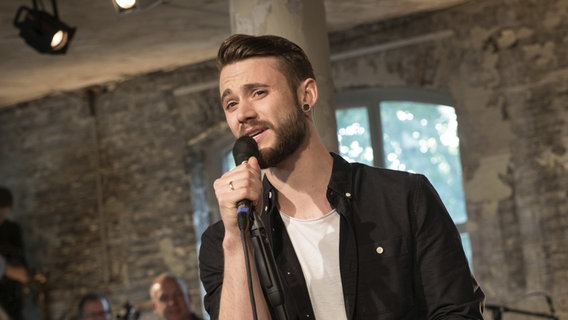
point(14, 272)
point(170, 298)
point(94, 306)
point(350, 241)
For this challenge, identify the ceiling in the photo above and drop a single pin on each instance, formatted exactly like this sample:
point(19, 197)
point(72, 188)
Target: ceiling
point(109, 47)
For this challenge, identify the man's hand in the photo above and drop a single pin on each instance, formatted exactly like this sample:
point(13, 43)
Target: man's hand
point(243, 182)
point(18, 273)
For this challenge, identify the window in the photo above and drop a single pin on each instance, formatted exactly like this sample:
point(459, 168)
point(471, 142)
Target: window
point(406, 130)
point(228, 161)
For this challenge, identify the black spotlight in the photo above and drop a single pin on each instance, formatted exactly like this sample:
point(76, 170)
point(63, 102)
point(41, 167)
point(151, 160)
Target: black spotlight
point(130, 6)
point(43, 31)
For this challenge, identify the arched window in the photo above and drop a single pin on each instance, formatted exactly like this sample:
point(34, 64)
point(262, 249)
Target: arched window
point(409, 130)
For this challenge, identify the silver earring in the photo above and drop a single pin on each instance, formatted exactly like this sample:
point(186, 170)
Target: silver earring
point(306, 107)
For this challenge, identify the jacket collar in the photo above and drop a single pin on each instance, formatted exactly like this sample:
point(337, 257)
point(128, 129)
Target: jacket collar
point(339, 188)
point(341, 180)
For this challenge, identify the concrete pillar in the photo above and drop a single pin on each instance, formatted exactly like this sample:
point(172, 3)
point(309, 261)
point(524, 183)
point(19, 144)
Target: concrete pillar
point(304, 23)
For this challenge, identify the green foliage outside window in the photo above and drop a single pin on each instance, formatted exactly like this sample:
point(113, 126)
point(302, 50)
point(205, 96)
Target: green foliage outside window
point(422, 138)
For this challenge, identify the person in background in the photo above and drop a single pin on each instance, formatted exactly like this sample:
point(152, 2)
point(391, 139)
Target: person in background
point(14, 273)
point(170, 298)
point(94, 306)
point(350, 241)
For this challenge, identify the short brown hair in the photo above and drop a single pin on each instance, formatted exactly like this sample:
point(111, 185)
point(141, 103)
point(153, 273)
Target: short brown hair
point(93, 296)
point(294, 62)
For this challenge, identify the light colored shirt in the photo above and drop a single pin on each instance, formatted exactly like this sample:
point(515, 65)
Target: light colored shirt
point(316, 243)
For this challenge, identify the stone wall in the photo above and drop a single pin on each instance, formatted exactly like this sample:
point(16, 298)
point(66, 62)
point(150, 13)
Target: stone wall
point(107, 178)
point(101, 179)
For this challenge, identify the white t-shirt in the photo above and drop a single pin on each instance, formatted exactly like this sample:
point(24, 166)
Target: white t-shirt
point(316, 243)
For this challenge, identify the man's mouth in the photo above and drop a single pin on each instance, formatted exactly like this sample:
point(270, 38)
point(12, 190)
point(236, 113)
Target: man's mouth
point(254, 132)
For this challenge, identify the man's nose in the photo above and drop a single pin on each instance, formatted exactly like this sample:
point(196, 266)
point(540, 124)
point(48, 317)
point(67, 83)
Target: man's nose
point(171, 301)
point(246, 111)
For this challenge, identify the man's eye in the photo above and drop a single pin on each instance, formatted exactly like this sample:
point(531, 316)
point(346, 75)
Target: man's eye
point(259, 92)
point(230, 105)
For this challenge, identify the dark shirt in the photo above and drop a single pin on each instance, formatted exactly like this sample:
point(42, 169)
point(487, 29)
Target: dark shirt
point(419, 272)
point(12, 249)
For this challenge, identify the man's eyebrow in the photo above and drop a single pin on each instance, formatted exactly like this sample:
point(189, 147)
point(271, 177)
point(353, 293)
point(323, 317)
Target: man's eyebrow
point(246, 87)
point(249, 86)
point(225, 94)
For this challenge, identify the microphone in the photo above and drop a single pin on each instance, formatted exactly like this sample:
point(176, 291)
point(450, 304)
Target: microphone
point(244, 148)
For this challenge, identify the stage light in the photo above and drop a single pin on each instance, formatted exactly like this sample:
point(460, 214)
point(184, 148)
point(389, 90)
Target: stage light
point(130, 6)
point(43, 31)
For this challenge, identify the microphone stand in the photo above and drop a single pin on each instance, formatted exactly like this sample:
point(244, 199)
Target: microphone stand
point(498, 310)
point(267, 271)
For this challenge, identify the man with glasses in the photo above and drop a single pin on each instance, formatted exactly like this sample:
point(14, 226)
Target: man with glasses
point(94, 306)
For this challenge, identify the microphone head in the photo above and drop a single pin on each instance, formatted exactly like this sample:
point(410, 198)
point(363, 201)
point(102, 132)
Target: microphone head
point(244, 148)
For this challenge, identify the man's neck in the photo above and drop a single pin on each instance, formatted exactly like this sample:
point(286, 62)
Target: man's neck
point(302, 179)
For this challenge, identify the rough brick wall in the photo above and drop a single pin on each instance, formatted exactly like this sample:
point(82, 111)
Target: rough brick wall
point(102, 184)
point(106, 178)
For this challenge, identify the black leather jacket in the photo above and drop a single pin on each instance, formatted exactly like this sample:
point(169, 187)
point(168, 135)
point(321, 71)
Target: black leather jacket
point(400, 253)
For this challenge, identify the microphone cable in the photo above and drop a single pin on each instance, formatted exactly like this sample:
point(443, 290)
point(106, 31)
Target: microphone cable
point(243, 227)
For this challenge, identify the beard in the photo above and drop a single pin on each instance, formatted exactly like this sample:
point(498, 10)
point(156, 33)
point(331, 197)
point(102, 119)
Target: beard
point(290, 134)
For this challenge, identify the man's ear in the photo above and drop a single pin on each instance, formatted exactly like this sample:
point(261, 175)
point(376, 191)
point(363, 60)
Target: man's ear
point(308, 92)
